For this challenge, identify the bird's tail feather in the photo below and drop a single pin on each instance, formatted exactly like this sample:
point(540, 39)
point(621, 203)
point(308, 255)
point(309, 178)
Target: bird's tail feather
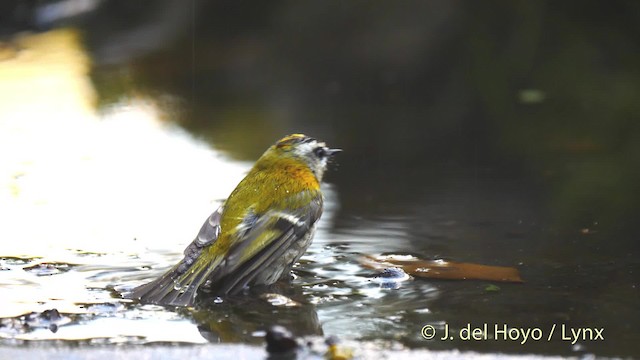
point(176, 287)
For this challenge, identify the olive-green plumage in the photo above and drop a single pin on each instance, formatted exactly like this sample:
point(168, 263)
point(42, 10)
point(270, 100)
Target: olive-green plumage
point(260, 231)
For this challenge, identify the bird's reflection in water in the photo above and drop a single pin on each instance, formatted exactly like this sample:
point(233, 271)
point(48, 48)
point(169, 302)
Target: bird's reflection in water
point(245, 318)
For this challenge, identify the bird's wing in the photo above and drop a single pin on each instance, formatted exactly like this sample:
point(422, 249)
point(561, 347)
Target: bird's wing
point(263, 240)
point(178, 286)
point(262, 244)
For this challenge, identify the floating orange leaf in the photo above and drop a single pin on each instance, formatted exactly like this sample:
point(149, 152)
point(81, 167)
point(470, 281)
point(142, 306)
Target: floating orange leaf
point(441, 269)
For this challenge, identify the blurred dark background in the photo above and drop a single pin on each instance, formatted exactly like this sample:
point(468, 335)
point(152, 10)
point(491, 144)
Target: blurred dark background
point(488, 114)
point(542, 92)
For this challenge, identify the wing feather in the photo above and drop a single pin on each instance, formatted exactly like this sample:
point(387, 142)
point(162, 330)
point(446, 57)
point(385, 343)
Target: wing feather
point(286, 229)
point(260, 247)
point(179, 285)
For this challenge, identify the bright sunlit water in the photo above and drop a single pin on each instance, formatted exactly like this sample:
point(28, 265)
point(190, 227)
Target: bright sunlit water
point(88, 199)
point(91, 205)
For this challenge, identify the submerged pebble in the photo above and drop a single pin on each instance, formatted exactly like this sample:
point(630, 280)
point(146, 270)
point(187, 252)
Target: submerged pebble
point(390, 278)
point(50, 319)
point(280, 340)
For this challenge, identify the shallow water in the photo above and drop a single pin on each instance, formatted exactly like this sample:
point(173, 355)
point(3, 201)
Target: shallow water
point(101, 190)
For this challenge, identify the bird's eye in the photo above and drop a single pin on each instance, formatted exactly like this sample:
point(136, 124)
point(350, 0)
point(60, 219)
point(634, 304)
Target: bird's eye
point(320, 152)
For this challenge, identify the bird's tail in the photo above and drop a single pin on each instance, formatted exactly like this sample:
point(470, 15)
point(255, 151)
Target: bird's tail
point(177, 287)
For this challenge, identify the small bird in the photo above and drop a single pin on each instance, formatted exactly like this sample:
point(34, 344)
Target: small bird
point(257, 234)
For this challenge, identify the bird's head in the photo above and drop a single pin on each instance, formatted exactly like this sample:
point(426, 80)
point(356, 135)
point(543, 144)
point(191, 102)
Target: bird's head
point(304, 149)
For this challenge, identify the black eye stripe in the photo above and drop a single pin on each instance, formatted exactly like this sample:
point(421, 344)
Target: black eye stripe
point(320, 152)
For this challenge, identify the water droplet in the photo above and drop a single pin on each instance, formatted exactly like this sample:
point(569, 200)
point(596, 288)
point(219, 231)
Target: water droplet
point(177, 286)
point(259, 333)
point(577, 347)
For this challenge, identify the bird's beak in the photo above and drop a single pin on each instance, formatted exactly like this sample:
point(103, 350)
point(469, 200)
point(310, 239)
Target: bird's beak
point(332, 152)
